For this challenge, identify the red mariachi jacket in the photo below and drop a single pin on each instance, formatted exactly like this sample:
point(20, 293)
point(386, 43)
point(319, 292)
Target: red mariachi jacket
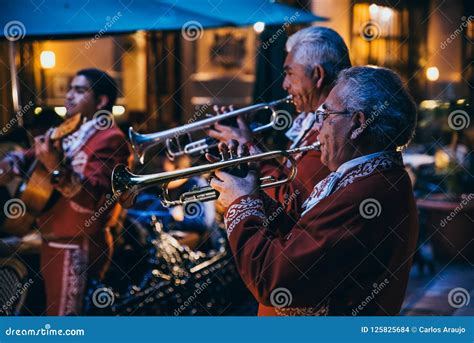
point(84, 206)
point(336, 259)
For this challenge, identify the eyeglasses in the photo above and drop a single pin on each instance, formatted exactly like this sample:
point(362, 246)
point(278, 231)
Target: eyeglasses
point(322, 113)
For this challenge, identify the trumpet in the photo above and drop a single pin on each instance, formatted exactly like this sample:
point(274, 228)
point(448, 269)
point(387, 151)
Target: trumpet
point(123, 180)
point(142, 142)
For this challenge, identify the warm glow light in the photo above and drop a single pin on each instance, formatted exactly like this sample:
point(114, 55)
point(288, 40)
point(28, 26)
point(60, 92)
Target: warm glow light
point(38, 110)
point(428, 104)
point(47, 59)
point(374, 9)
point(386, 14)
point(432, 73)
point(442, 159)
point(60, 110)
point(259, 26)
point(118, 110)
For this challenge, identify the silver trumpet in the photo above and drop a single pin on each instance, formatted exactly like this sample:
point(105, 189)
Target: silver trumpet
point(123, 180)
point(142, 142)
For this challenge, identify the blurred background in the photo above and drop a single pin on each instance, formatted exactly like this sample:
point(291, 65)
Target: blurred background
point(170, 73)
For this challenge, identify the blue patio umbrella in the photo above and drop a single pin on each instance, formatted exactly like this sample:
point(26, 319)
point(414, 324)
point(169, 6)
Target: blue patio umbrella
point(52, 19)
point(248, 12)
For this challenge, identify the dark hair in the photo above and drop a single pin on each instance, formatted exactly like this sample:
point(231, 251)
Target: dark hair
point(102, 84)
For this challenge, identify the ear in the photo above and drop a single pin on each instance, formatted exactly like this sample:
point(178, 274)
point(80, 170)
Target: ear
point(318, 75)
point(102, 101)
point(358, 124)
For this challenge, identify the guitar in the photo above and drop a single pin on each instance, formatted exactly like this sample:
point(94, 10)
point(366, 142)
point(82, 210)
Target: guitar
point(36, 189)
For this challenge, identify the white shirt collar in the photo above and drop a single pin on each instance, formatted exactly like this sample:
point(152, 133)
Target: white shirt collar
point(343, 168)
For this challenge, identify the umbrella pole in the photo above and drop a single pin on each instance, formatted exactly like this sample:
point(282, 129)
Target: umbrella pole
point(15, 81)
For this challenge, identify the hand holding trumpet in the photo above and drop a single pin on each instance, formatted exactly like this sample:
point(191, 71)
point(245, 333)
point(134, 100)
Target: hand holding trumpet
point(242, 134)
point(229, 186)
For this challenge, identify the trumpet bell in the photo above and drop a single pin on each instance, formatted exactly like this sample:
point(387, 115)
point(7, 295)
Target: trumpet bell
point(121, 179)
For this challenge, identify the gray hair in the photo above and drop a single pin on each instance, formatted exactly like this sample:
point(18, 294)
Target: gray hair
point(320, 45)
point(388, 106)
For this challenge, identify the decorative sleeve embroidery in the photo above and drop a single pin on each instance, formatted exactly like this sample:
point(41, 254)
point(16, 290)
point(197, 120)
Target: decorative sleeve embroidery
point(246, 207)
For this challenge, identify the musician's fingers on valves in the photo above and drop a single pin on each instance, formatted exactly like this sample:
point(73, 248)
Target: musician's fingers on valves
point(231, 187)
point(222, 109)
point(224, 133)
